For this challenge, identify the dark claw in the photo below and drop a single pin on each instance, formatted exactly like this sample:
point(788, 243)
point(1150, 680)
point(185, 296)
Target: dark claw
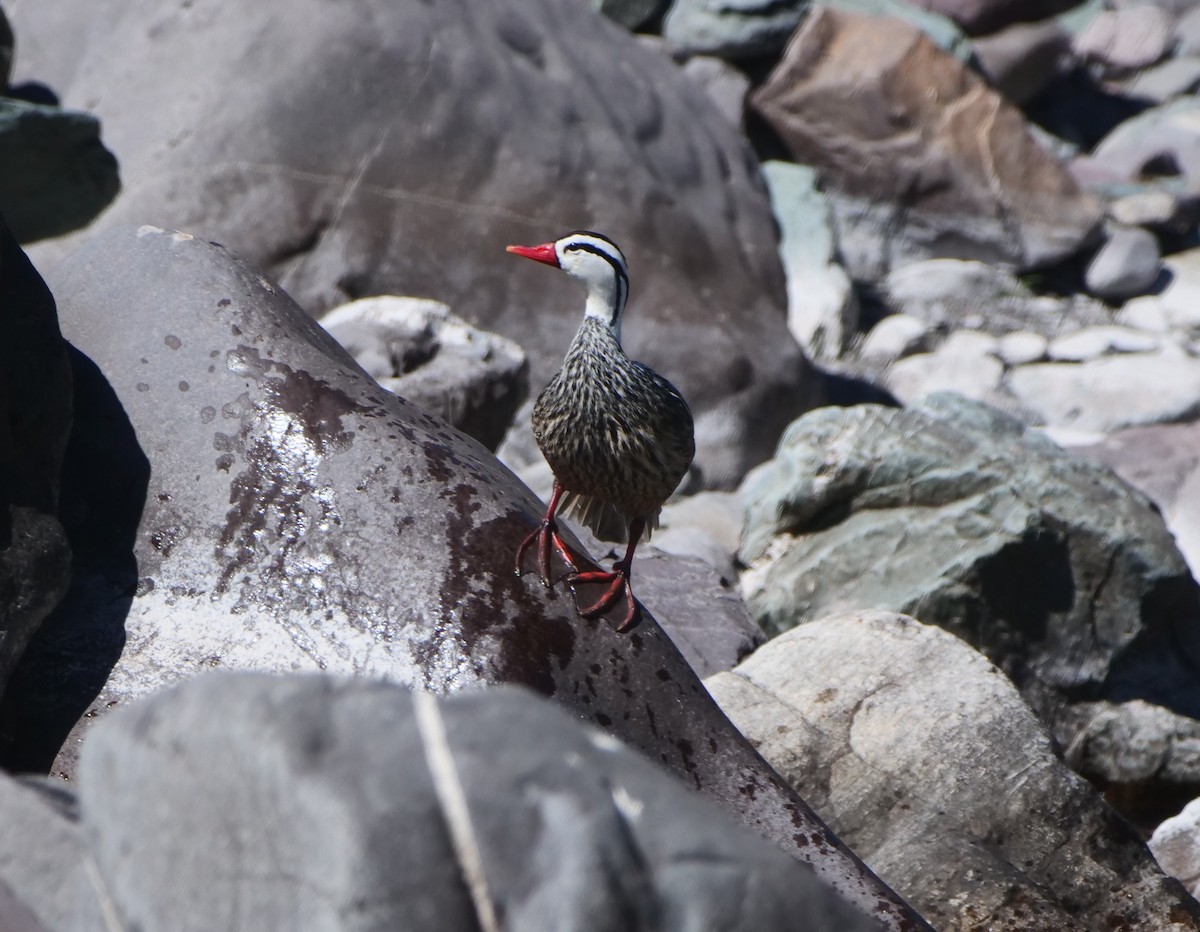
point(618, 585)
point(546, 535)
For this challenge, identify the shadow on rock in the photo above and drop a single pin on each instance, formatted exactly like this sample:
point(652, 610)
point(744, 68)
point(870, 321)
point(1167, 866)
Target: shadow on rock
point(105, 476)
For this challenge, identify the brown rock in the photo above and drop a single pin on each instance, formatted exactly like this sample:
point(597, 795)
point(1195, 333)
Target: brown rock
point(896, 124)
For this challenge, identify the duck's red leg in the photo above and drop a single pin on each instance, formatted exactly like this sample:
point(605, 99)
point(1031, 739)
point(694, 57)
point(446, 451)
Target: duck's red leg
point(618, 584)
point(546, 535)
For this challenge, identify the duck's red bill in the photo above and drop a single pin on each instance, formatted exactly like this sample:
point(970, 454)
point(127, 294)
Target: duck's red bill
point(544, 253)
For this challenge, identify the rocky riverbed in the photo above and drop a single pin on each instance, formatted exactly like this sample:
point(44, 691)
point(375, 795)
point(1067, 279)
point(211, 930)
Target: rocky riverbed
point(922, 639)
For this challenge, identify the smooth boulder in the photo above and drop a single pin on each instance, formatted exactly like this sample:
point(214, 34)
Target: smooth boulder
point(247, 802)
point(397, 148)
point(916, 747)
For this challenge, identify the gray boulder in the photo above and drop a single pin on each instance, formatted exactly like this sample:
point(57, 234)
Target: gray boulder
point(919, 750)
point(1059, 572)
point(399, 149)
point(1175, 77)
point(700, 611)
point(917, 175)
point(243, 802)
point(35, 419)
point(957, 294)
point(246, 497)
point(1162, 140)
point(1145, 756)
point(43, 879)
point(1131, 37)
point(1112, 392)
point(967, 363)
point(417, 348)
point(732, 29)
point(55, 173)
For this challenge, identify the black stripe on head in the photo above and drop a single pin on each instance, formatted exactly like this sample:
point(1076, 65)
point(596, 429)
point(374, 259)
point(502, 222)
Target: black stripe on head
point(618, 267)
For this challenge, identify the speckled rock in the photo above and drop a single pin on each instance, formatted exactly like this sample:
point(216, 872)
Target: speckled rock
point(1061, 573)
point(244, 496)
point(419, 349)
point(397, 148)
point(325, 804)
point(921, 751)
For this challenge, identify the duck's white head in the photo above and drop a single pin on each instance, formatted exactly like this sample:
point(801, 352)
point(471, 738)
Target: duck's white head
point(597, 262)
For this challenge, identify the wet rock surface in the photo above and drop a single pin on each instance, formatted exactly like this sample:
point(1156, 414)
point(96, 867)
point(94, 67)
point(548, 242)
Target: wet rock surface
point(240, 494)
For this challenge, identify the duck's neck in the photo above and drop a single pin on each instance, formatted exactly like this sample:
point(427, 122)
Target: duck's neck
point(605, 303)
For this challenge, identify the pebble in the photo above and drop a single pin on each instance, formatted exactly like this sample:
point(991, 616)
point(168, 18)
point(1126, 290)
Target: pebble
point(1093, 342)
point(1021, 348)
point(894, 337)
point(1127, 265)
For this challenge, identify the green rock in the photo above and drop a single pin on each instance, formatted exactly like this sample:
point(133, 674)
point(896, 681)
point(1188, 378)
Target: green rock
point(954, 513)
point(55, 173)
